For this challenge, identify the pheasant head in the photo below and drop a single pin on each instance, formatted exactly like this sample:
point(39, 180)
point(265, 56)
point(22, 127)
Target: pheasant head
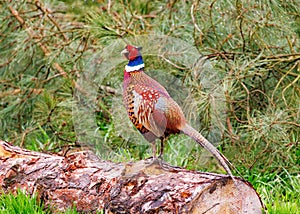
point(133, 54)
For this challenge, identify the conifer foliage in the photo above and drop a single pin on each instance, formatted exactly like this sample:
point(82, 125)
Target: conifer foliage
point(40, 53)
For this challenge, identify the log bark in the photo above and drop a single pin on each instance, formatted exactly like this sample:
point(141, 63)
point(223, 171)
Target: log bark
point(82, 179)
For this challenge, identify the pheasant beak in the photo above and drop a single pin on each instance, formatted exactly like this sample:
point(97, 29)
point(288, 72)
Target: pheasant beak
point(125, 53)
point(131, 52)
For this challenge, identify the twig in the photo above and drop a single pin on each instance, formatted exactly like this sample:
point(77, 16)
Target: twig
point(194, 19)
point(18, 91)
point(47, 13)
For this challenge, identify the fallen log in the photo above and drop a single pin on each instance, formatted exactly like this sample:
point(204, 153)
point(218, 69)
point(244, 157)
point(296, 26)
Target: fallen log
point(91, 184)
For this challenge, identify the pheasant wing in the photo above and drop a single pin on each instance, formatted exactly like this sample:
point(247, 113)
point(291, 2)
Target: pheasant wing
point(146, 111)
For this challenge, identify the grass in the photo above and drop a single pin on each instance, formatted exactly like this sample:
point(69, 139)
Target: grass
point(21, 203)
point(279, 192)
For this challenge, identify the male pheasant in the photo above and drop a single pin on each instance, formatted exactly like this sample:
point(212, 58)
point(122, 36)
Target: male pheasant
point(151, 109)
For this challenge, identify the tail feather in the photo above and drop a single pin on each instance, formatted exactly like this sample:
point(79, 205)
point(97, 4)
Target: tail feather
point(191, 132)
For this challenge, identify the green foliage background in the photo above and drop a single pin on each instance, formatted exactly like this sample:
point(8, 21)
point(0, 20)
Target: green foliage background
point(44, 47)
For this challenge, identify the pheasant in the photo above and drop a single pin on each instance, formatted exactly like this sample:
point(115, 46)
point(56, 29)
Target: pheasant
point(153, 112)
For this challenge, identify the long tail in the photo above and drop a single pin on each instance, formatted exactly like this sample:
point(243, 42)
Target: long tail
point(190, 131)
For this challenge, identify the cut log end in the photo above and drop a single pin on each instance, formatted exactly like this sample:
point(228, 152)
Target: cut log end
point(92, 185)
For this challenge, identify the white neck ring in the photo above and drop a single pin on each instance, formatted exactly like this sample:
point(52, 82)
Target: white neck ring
point(134, 68)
